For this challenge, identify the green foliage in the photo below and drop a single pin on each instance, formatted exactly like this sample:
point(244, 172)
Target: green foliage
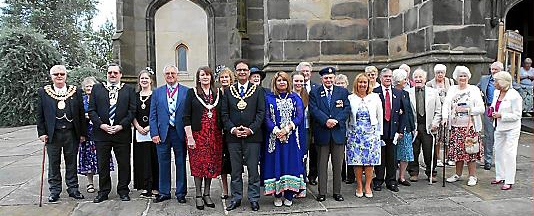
point(76, 76)
point(26, 57)
point(100, 45)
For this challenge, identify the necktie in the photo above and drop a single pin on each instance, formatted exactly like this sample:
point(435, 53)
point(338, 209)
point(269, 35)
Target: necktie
point(172, 106)
point(329, 96)
point(112, 108)
point(242, 91)
point(420, 101)
point(388, 106)
point(306, 87)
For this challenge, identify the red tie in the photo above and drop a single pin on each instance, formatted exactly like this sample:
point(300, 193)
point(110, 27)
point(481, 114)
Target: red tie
point(388, 106)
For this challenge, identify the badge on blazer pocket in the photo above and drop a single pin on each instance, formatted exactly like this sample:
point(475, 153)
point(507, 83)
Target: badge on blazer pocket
point(339, 103)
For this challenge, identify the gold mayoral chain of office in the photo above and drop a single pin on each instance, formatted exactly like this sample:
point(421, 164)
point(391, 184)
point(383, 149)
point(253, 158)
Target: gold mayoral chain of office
point(113, 92)
point(242, 104)
point(71, 90)
point(208, 106)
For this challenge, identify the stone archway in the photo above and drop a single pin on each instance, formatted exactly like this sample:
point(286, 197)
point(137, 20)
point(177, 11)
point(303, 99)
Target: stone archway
point(519, 17)
point(172, 24)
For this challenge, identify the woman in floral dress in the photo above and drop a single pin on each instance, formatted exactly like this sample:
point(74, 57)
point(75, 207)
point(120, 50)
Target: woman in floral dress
point(364, 130)
point(88, 163)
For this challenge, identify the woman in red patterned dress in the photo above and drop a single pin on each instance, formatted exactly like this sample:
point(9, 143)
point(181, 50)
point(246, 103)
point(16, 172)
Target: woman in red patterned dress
point(204, 134)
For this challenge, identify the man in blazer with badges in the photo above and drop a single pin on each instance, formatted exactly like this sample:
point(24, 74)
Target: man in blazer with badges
point(112, 109)
point(167, 131)
point(426, 107)
point(329, 108)
point(306, 69)
point(61, 126)
point(243, 110)
point(393, 126)
point(487, 87)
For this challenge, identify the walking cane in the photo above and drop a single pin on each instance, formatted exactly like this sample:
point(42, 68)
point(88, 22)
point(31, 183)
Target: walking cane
point(42, 176)
point(445, 145)
point(432, 158)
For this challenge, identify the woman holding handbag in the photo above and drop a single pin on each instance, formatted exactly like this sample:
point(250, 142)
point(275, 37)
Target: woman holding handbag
point(462, 108)
point(506, 111)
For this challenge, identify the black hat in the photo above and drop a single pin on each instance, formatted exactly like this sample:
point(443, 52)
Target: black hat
point(256, 70)
point(327, 70)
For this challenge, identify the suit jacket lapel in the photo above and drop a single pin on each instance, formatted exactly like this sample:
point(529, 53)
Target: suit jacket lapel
point(323, 92)
point(180, 97)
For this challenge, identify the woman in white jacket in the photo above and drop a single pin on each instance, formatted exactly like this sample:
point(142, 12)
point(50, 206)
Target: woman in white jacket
point(506, 111)
point(462, 108)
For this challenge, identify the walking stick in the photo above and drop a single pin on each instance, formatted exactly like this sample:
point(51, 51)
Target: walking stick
point(432, 158)
point(42, 176)
point(445, 144)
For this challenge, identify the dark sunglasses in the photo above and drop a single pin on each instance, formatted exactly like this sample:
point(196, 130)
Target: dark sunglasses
point(59, 74)
point(113, 72)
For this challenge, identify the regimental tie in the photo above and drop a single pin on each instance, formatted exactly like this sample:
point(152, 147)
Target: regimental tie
point(242, 91)
point(329, 96)
point(172, 105)
point(388, 106)
point(112, 106)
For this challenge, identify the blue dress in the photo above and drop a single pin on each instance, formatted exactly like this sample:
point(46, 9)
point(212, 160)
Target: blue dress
point(88, 163)
point(363, 144)
point(404, 148)
point(282, 167)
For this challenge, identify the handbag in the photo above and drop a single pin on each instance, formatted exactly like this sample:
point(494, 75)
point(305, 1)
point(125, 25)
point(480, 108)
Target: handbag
point(471, 144)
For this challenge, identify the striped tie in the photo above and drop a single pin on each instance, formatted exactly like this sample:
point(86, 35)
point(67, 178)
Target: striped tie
point(112, 109)
point(172, 108)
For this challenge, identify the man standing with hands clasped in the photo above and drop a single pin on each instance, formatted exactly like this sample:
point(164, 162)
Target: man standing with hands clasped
point(61, 125)
point(243, 110)
point(112, 109)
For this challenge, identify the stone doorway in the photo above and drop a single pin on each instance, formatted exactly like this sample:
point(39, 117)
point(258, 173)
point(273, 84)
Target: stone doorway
point(520, 18)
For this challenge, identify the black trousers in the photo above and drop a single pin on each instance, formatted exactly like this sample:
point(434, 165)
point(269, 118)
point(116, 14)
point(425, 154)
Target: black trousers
point(423, 140)
point(313, 160)
point(64, 139)
point(388, 165)
point(122, 155)
point(347, 172)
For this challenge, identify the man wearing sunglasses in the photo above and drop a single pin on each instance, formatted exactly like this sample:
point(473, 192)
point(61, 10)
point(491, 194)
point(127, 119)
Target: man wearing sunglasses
point(112, 109)
point(61, 126)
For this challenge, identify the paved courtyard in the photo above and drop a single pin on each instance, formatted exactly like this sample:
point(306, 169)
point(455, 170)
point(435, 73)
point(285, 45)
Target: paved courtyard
point(20, 167)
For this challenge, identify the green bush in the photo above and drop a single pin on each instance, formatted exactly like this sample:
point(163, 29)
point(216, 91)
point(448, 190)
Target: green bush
point(76, 75)
point(25, 60)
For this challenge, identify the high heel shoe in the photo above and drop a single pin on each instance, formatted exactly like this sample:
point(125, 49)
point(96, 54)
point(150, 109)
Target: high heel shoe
point(359, 195)
point(199, 202)
point(506, 187)
point(208, 201)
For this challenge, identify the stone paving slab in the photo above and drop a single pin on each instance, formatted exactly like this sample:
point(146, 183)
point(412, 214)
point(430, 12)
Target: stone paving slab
point(62, 209)
point(515, 206)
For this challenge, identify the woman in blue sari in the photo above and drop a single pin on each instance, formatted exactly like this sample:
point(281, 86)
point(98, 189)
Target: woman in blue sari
point(282, 167)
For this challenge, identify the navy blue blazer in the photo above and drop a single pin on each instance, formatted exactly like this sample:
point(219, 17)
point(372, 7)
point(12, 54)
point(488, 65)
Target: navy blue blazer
point(483, 86)
point(321, 111)
point(159, 113)
point(396, 122)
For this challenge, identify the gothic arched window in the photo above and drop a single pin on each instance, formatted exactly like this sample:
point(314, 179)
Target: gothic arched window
point(181, 57)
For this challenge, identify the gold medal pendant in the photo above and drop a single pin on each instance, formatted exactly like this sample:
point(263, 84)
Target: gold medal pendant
point(241, 104)
point(61, 104)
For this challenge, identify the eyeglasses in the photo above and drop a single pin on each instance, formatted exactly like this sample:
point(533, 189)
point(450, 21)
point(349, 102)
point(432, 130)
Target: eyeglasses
point(113, 72)
point(170, 73)
point(59, 74)
point(241, 69)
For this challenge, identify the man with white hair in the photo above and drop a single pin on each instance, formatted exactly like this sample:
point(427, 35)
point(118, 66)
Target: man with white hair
point(61, 127)
point(426, 108)
point(306, 69)
point(487, 87)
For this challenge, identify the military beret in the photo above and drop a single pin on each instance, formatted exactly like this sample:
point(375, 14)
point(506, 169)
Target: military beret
point(327, 70)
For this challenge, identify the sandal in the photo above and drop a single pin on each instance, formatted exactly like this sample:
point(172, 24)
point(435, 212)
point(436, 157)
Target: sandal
point(208, 201)
point(199, 202)
point(90, 188)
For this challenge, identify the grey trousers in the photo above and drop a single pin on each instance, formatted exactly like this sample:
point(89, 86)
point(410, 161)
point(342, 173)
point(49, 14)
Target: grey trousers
point(337, 152)
point(488, 139)
point(63, 140)
point(249, 154)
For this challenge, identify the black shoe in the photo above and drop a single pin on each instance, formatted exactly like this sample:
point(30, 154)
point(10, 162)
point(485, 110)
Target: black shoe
point(147, 194)
point(53, 198)
point(208, 201)
point(487, 166)
point(321, 198)
point(233, 205)
point(254, 206)
point(377, 187)
point(100, 197)
point(404, 182)
point(312, 182)
point(199, 202)
point(181, 199)
point(76, 195)
point(393, 188)
point(349, 182)
point(125, 197)
point(161, 198)
point(338, 197)
point(224, 196)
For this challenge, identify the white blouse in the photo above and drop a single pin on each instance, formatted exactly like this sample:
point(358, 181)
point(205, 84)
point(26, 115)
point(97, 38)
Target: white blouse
point(471, 97)
point(374, 105)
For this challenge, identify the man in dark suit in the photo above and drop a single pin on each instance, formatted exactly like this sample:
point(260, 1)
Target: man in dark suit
point(243, 110)
point(329, 108)
point(112, 109)
point(487, 87)
point(167, 131)
point(393, 126)
point(61, 126)
point(306, 69)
